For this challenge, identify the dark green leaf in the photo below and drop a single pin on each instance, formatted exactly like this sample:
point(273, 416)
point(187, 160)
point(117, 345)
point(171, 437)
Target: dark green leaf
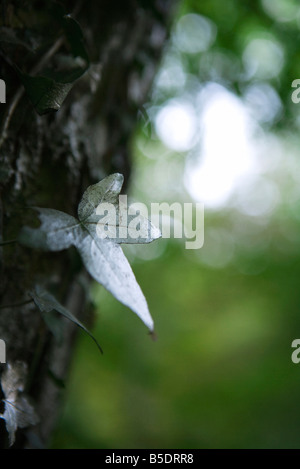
point(69, 60)
point(47, 303)
point(45, 93)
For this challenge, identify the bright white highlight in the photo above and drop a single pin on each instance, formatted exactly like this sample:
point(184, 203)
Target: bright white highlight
point(226, 155)
point(263, 58)
point(176, 125)
point(194, 33)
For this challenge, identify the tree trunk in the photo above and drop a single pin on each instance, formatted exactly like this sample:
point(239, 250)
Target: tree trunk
point(49, 160)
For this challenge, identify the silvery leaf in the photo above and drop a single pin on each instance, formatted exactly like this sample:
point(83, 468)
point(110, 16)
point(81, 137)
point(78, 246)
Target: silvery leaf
point(100, 252)
point(56, 232)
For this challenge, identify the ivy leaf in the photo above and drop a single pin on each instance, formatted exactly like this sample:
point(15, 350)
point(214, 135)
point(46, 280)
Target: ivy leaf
point(48, 90)
point(107, 264)
point(119, 223)
point(68, 61)
point(102, 257)
point(46, 94)
point(18, 412)
point(58, 231)
point(47, 303)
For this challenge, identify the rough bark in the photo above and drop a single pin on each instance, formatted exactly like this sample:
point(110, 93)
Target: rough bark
point(48, 161)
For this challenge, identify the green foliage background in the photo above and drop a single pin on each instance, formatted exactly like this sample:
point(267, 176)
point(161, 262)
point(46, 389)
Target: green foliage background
point(220, 374)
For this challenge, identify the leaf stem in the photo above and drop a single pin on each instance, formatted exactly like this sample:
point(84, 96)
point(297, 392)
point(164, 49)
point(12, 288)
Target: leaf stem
point(15, 305)
point(11, 241)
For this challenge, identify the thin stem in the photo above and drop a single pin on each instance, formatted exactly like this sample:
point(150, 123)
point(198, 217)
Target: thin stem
point(9, 114)
point(15, 305)
point(11, 241)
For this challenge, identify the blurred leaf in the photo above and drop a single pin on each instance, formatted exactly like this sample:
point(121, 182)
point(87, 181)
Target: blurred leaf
point(54, 325)
point(49, 88)
point(18, 411)
point(48, 91)
point(75, 37)
point(47, 303)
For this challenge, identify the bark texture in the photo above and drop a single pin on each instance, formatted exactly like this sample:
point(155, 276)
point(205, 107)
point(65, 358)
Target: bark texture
point(48, 161)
